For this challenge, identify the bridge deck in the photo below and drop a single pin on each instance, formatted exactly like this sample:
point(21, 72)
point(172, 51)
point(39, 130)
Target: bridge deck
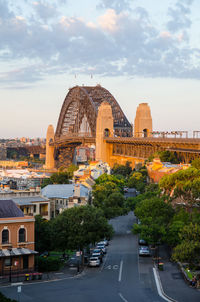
point(150, 140)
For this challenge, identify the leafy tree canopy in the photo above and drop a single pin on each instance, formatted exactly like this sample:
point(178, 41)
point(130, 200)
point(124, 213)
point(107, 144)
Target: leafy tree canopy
point(184, 184)
point(124, 170)
point(43, 234)
point(196, 163)
point(167, 156)
point(189, 248)
point(77, 227)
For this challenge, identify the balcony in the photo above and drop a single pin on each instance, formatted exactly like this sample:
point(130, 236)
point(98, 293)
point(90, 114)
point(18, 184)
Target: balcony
point(44, 213)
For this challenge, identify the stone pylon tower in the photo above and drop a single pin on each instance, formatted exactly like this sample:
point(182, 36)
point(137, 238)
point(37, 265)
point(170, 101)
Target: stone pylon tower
point(143, 121)
point(104, 128)
point(49, 161)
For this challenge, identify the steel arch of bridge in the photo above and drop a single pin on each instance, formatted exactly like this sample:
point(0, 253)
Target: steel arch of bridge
point(83, 102)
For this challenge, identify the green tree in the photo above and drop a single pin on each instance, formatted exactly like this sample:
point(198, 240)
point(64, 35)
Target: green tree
point(60, 178)
point(71, 169)
point(196, 163)
point(43, 234)
point(184, 184)
point(124, 170)
point(77, 227)
point(167, 156)
point(155, 215)
point(137, 181)
point(189, 248)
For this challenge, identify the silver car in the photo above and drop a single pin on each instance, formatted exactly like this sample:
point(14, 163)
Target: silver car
point(144, 251)
point(102, 247)
point(94, 261)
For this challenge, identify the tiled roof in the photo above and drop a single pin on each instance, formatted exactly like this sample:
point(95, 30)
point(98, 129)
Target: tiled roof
point(9, 209)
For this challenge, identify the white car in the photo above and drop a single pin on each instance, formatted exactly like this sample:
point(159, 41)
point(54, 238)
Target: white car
point(144, 251)
point(94, 261)
point(102, 247)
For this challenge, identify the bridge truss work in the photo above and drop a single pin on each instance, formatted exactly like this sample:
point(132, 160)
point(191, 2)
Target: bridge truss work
point(79, 113)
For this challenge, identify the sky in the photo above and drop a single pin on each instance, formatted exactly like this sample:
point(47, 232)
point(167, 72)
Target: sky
point(140, 50)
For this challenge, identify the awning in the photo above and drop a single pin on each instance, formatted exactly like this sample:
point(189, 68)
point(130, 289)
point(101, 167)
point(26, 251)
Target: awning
point(16, 252)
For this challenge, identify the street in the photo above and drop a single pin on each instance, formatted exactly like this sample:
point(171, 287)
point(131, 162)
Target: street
point(122, 276)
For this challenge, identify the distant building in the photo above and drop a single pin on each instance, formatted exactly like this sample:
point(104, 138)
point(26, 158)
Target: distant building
point(17, 239)
point(66, 195)
point(31, 204)
point(157, 169)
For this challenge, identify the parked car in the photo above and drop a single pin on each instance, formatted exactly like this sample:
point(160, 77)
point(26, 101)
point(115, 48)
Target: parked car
point(72, 262)
point(144, 251)
point(142, 242)
point(94, 261)
point(97, 250)
point(102, 247)
point(104, 241)
point(98, 255)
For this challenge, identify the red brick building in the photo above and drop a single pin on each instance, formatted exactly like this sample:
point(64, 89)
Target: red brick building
point(16, 239)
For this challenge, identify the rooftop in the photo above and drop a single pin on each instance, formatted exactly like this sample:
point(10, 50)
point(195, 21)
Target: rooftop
point(9, 209)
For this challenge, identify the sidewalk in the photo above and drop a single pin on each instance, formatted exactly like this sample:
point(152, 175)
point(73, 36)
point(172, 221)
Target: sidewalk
point(64, 273)
point(173, 282)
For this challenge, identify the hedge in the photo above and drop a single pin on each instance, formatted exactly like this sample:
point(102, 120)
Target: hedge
point(49, 264)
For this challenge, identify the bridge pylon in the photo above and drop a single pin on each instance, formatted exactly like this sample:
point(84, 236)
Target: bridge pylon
point(104, 129)
point(50, 138)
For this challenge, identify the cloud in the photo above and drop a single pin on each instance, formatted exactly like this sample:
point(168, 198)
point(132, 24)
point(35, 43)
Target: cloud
point(180, 16)
point(118, 43)
point(45, 10)
point(117, 5)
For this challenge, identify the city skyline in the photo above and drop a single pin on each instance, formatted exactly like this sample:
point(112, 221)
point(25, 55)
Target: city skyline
point(139, 52)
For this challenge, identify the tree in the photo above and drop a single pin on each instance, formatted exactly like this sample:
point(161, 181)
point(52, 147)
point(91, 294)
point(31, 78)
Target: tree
point(60, 178)
point(184, 184)
point(124, 170)
point(167, 156)
point(155, 216)
point(43, 234)
point(137, 181)
point(189, 248)
point(118, 180)
point(196, 163)
point(77, 227)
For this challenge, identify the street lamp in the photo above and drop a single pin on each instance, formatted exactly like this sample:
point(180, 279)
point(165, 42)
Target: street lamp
point(10, 250)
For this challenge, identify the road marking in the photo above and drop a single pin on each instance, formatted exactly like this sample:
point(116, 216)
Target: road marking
point(59, 273)
point(120, 271)
point(115, 266)
point(17, 283)
point(159, 287)
point(122, 297)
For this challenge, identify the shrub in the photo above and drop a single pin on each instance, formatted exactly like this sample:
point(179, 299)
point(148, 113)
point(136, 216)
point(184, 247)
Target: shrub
point(49, 264)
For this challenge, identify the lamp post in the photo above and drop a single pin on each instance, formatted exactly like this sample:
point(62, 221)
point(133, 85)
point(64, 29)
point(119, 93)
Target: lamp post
point(10, 250)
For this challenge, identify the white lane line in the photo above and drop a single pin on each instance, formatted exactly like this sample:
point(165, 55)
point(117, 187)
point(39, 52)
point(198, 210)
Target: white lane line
point(122, 297)
point(159, 287)
point(120, 271)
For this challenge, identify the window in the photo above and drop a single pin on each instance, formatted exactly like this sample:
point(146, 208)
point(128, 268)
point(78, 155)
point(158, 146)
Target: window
point(8, 261)
point(34, 208)
point(22, 235)
point(5, 236)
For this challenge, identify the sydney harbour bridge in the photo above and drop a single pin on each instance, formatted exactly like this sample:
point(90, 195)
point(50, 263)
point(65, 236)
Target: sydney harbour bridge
point(77, 126)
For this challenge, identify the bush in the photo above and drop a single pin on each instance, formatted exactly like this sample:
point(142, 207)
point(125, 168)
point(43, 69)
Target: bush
point(4, 299)
point(49, 264)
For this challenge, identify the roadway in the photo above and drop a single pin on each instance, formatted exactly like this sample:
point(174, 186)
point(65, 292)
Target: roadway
point(123, 277)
